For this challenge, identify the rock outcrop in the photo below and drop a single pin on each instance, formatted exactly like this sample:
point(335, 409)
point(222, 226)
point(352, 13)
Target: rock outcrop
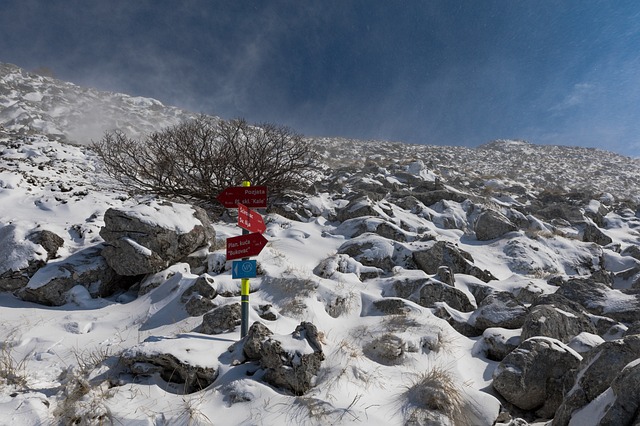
point(531, 377)
point(149, 237)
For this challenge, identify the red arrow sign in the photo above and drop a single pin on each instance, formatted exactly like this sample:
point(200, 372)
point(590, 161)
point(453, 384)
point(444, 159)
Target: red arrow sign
point(245, 246)
point(250, 196)
point(250, 220)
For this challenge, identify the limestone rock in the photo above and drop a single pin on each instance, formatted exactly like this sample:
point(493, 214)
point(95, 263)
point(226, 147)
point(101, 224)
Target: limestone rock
point(427, 292)
point(499, 309)
point(444, 253)
point(491, 225)
point(596, 373)
point(149, 237)
point(531, 377)
point(222, 319)
point(290, 362)
point(50, 284)
point(551, 321)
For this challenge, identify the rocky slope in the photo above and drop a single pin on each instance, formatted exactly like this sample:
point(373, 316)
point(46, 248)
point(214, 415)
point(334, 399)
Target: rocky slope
point(410, 285)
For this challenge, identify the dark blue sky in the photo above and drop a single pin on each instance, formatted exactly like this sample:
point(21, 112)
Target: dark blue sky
point(443, 72)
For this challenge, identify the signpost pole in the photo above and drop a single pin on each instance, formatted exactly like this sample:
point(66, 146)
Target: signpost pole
point(244, 292)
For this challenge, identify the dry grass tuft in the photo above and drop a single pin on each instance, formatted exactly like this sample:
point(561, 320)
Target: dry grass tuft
point(435, 397)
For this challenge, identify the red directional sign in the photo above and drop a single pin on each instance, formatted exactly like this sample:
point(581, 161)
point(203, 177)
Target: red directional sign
point(245, 245)
point(250, 196)
point(250, 220)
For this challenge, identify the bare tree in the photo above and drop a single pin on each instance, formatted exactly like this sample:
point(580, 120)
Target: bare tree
point(197, 159)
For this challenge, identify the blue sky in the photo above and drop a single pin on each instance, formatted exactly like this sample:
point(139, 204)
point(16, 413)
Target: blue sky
point(442, 72)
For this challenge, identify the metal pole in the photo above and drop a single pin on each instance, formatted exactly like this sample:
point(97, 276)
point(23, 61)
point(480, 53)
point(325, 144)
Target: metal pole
point(244, 292)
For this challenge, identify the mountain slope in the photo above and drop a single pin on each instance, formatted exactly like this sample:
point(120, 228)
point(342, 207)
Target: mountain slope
point(437, 277)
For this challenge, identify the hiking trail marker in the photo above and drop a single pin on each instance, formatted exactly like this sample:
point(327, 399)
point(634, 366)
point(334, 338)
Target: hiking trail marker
point(250, 243)
point(250, 196)
point(250, 220)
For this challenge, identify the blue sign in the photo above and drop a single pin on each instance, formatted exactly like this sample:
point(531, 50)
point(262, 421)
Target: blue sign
point(244, 269)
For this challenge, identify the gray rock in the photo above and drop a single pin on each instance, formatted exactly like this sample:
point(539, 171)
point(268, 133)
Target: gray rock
point(596, 373)
point(500, 309)
point(445, 275)
point(203, 286)
point(16, 270)
point(50, 284)
point(444, 253)
point(198, 305)
point(498, 344)
point(593, 234)
point(387, 349)
point(458, 322)
point(429, 198)
point(176, 367)
point(147, 238)
point(531, 377)
point(491, 225)
point(359, 207)
point(252, 345)
point(625, 408)
point(633, 251)
point(597, 297)
point(428, 292)
point(222, 319)
point(292, 370)
point(568, 212)
point(392, 306)
point(371, 250)
point(50, 241)
point(552, 321)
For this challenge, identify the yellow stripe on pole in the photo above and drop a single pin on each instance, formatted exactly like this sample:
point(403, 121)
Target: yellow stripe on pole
point(244, 287)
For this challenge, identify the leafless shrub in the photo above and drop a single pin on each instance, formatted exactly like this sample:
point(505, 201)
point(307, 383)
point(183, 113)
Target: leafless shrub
point(197, 159)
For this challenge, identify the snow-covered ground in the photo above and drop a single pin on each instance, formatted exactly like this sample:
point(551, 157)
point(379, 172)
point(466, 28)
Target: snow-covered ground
point(63, 364)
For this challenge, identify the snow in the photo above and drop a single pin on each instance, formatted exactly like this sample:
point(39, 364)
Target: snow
point(47, 184)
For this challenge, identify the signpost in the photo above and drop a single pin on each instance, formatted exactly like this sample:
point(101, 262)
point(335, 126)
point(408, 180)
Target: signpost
point(245, 245)
point(244, 269)
point(250, 220)
point(250, 243)
point(250, 196)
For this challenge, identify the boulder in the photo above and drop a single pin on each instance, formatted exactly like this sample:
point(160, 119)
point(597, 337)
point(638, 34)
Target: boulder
point(291, 362)
point(492, 224)
point(391, 306)
point(372, 250)
point(20, 258)
point(625, 408)
point(252, 345)
point(597, 298)
point(50, 284)
point(633, 251)
point(203, 286)
point(551, 321)
point(593, 234)
point(531, 377)
point(335, 265)
point(359, 207)
point(444, 253)
point(596, 373)
point(456, 319)
point(50, 241)
point(387, 349)
point(499, 342)
point(198, 298)
point(147, 238)
point(181, 361)
point(429, 198)
point(499, 309)
point(428, 292)
point(222, 319)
